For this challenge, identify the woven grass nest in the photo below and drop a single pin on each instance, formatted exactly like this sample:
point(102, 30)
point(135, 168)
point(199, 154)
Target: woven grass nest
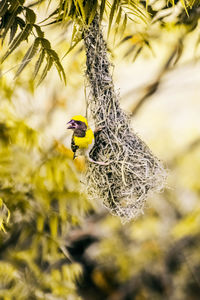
point(133, 171)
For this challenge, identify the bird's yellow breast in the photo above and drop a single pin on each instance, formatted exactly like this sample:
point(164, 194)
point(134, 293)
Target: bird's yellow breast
point(84, 142)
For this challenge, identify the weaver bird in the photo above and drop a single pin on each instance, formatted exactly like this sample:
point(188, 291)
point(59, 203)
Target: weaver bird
point(83, 138)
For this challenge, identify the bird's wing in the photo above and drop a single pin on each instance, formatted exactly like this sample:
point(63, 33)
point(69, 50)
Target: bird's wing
point(74, 147)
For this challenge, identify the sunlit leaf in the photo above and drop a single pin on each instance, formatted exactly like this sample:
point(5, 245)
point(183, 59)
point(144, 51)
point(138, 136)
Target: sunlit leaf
point(39, 31)
point(58, 64)
point(46, 69)
point(30, 15)
point(113, 10)
point(4, 215)
point(20, 38)
point(3, 7)
point(102, 9)
point(13, 31)
point(28, 56)
point(39, 63)
point(10, 21)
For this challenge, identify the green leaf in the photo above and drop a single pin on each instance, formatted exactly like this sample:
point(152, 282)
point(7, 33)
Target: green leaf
point(21, 22)
point(124, 24)
point(30, 15)
point(69, 8)
point(3, 8)
point(73, 45)
point(131, 7)
point(10, 21)
point(66, 8)
point(58, 64)
point(28, 56)
point(13, 31)
point(184, 3)
point(21, 37)
point(61, 71)
point(13, 6)
point(45, 43)
point(82, 10)
point(92, 13)
point(114, 9)
point(39, 31)
point(46, 69)
point(76, 38)
point(39, 63)
point(118, 19)
point(102, 9)
point(117, 22)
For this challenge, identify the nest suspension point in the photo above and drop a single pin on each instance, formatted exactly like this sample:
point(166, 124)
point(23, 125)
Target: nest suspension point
point(134, 171)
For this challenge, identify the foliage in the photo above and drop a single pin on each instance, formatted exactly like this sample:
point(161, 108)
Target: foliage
point(40, 194)
point(18, 19)
point(49, 248)
point(4, 215)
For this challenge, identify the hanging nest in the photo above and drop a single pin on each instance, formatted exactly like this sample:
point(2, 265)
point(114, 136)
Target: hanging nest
point(133, 171)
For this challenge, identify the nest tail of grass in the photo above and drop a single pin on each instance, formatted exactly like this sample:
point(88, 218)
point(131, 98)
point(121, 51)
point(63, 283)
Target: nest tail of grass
point(134, 171)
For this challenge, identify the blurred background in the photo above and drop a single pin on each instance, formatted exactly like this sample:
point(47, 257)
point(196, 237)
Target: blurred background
point(54, 242)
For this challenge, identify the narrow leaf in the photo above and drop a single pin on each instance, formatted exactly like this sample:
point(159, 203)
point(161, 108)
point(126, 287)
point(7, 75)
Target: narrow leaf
point(117, 22)
point(61, 72)
point(72, 47)
point(70, 2)
point(39, 63)
point(39, 31)
point(66, 8)
point(102, 9)
point(11, 21)
point(13, 31)
point(21, 37)
point(76, 38)
point(82, 10)
point(3, 8)
point(13, 6)
point(92, 13)
point(124, 25)
point(21, 22)
point(45, 43)
point(46, 69)
point(58, 64)
point(28, 56)
point(183, 2)
point(114, 9)
point(30, 15)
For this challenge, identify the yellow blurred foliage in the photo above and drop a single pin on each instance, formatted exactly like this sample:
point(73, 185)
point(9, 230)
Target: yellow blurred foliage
point(79, 161)
point(188, 225)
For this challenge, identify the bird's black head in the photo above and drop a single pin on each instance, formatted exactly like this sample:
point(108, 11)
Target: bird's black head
point(79, 127)
point(75, 124)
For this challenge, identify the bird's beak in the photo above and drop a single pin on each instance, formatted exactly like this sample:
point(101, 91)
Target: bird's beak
point(71, 125)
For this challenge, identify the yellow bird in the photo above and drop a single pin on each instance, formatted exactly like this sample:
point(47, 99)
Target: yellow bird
point(82, 138)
